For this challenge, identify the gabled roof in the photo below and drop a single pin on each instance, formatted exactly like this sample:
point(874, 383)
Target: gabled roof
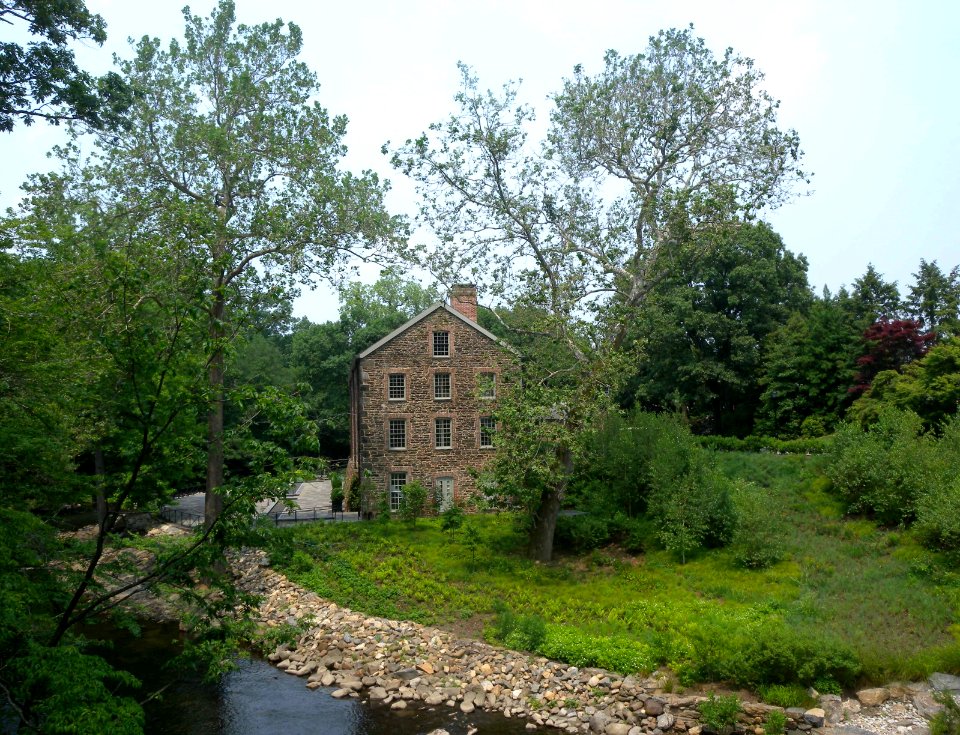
point(419, 318)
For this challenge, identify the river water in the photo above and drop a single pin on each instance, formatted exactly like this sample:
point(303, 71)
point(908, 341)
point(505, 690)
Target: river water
point(258, 698)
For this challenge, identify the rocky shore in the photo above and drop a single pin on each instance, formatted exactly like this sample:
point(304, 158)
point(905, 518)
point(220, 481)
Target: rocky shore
point(395, 662)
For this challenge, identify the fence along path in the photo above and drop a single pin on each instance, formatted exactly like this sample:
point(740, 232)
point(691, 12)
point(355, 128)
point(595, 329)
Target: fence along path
point(307, 501)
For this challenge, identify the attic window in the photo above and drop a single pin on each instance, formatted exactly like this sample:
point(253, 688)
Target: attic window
point(441, 344)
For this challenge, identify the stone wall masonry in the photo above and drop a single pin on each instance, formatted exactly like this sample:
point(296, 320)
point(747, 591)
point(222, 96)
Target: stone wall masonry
point(395, 662)
point(411, 354)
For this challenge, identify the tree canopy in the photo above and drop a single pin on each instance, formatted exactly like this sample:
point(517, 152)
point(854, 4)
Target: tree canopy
point(652, 160)
point(230, 162)
point(42, 80)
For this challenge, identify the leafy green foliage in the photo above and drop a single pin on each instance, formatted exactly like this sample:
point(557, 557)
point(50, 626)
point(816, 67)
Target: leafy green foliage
point(947, 720)
point(759, 528)
point(882, 470)
point(413, 502)
point(720, 713)
point(775, 724)
point(808, 367)
point(817, 445)
point(521, 633)
point(785, 695)
point(930, 387)
point(42, 81)
point(708, 321)
point(452, 519)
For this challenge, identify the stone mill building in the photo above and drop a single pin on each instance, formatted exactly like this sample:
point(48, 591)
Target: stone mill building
point(423, 404)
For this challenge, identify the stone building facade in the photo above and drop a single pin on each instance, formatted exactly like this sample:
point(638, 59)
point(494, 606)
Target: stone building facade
point(423, 404)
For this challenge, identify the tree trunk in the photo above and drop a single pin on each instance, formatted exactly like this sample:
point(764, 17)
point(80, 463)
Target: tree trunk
point(545, 518)
point(544, 524)
point(100, 470)
point(213, 501)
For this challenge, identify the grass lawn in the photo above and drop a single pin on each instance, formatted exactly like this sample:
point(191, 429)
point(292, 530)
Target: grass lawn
point(850, 603)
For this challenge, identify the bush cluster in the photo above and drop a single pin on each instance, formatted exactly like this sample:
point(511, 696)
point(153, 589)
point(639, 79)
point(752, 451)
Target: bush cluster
point(649, 466)
point(586, 532)
point(519, 632)
point(898, 473)
point(719, 714)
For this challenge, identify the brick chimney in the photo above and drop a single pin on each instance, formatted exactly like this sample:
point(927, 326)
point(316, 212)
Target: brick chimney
point(463, 298)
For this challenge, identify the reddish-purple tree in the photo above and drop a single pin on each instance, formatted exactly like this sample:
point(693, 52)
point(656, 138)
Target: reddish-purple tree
point(890, 344)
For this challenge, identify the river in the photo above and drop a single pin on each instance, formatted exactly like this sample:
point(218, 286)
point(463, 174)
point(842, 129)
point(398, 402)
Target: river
point(258, 698)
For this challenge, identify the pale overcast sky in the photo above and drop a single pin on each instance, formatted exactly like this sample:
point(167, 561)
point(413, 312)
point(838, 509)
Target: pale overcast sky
point(871, 87)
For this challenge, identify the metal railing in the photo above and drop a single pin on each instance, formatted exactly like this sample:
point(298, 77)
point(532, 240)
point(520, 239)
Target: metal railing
point(300, 515)
point(181, 517)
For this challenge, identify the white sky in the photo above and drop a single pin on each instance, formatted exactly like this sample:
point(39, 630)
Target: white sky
point(871, 87)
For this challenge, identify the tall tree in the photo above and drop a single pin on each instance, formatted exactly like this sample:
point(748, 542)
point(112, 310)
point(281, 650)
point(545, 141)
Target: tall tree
point(706, 325)
point(42, 81)
point(228, 157)
point(934, 298)
point(660, 153)
point(889, 345)
point(808, 367)
point(874, 299)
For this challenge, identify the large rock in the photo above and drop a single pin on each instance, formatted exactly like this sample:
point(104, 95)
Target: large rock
point(832, 707)
point(617, 728)
point(653, 707)
point(598, 722)
point(925, 705)
point(945, 683)
point(873, 697)
point(665, 721)
point(815, 716)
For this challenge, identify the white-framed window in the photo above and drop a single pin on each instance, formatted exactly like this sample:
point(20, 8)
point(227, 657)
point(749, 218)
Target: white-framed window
point(441, 344)
point(397, 434)
point(441, 386)
point(487, 384)
point(397, 387)
point(443, 433)
point(488, 427)
point(398, 481)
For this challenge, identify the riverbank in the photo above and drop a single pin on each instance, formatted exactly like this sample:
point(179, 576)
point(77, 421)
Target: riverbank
point(396, 662)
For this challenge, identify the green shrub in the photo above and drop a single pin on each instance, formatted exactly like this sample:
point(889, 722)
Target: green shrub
point(412, 502)
point(720, 713)
point(784, 695)
point(451, 520)
point(947, 720)
point(774, 653)
point(758, 535)
point(616, 653)
point(521, 633)
point(776, 723)
point(938, 516)
point(528, 634)
point(882, 470)
point(301, 562)
point(828, 686)
point(581, 533)
point(810, 445)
